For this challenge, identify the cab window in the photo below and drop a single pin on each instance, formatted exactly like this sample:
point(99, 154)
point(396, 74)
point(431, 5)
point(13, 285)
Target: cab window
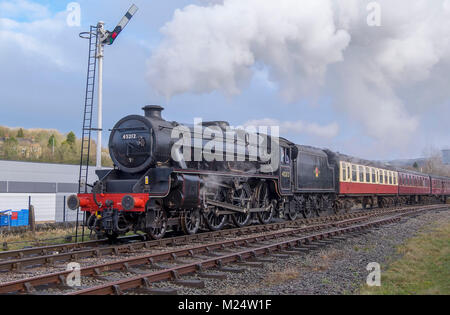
point(282, 153)
point(287, 156)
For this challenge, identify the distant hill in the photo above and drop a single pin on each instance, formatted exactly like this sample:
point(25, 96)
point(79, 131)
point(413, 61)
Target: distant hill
point(44, 145)
point(408, 162)
point(434, 164)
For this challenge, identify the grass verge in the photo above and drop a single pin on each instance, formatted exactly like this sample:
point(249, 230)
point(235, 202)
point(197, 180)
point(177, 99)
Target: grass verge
point(424, 268)
point(40, 238)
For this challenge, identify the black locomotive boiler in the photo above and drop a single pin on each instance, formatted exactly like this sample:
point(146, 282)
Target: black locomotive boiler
point(149, 190)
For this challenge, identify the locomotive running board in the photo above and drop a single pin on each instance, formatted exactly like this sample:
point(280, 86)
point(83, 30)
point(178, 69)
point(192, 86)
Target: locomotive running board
point(231, 207)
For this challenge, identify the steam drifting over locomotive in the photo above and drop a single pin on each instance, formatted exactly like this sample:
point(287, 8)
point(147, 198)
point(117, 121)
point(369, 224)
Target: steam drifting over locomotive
point(204, 176)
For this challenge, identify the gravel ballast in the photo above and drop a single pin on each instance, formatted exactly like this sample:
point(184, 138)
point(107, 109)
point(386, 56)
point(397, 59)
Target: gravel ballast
point(339, 268)
point(335, 269)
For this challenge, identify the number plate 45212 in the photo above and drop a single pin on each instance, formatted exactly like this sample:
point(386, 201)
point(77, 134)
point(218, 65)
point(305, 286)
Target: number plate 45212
point(129, 136)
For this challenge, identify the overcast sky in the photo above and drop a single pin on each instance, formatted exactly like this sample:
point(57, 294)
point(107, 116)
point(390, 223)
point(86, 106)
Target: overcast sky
point(318, 69)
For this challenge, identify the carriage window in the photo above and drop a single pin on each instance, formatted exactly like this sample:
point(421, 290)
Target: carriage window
point(354, 174)
point(374, 176)
point(344, 172)
point(385, 179)
point(381, 176)
point(367, 175)
point(361, 174)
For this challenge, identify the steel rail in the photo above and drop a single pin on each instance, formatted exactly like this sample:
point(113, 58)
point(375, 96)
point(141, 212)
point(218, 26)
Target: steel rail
point(26, 285)
point(152, 259)
point(48, 257)
point(144, 281)
point(44, 250)
point(80, 253)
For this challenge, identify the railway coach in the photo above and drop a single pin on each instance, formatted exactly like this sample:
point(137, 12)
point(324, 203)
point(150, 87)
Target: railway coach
point(413, 187)
point(440, 188)
point(363, 182)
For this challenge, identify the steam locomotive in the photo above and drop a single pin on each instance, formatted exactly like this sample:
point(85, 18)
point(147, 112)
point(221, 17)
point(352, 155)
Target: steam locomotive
point(157, 185)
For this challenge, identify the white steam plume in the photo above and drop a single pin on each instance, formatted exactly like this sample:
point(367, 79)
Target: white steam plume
point(216, 47)
point(377, 75)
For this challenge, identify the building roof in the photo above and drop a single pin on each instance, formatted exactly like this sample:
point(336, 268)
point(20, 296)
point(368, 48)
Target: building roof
point(42, 172)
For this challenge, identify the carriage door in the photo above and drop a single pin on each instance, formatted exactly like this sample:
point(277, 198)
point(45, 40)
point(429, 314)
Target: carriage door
point(285, 170)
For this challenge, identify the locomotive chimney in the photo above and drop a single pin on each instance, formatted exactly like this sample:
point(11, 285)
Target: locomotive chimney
point(153, 111)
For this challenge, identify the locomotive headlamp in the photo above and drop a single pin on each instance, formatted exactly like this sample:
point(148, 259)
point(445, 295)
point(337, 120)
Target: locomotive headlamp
point(73, 202)
point(130, 203)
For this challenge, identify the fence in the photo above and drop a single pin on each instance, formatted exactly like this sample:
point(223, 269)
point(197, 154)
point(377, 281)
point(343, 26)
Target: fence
point(48, 207)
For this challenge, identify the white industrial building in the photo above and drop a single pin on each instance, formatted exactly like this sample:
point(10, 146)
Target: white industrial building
point(43, 185)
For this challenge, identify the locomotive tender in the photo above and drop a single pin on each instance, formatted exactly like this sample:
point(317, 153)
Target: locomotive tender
point(153, 187)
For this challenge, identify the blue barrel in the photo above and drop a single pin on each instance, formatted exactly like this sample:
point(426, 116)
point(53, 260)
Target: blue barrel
point(24, 217)
point(4, 220)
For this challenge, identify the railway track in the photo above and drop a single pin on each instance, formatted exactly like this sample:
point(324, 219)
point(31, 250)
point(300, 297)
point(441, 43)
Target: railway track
point(44, 250)
point(20, 260)
point(146, 269)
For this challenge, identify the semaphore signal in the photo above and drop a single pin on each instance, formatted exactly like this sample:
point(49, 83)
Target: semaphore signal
point(108, 37)
point(98, 38)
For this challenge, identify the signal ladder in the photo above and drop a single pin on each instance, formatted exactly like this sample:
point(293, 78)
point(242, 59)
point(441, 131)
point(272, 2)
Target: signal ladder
point(93, 36)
